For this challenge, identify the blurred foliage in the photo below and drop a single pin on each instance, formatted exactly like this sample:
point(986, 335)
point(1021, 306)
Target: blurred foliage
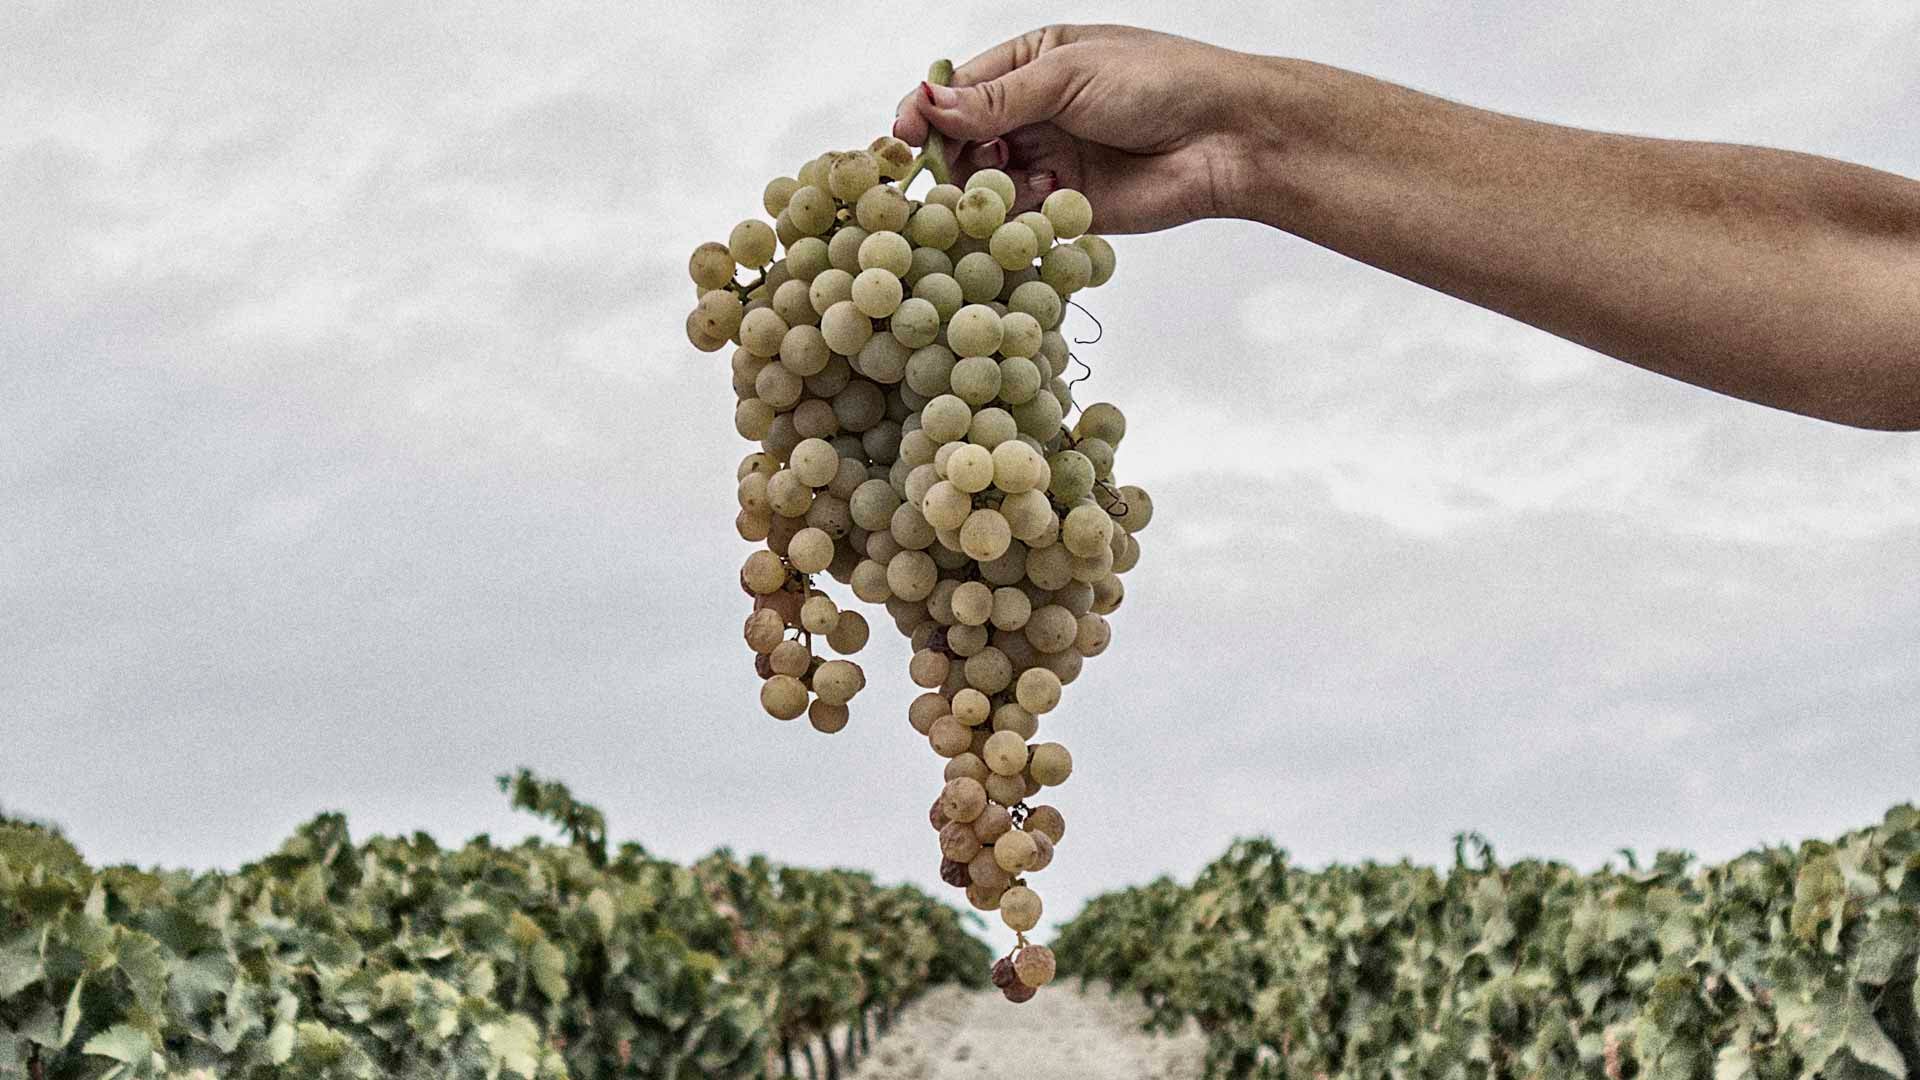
point(1782, 963)
point(396, 957)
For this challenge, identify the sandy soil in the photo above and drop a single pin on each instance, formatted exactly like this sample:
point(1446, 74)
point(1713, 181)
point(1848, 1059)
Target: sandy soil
point(1062, 1034)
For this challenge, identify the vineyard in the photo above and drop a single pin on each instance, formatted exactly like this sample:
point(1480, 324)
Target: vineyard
point(395, 957)
point(1781, 963)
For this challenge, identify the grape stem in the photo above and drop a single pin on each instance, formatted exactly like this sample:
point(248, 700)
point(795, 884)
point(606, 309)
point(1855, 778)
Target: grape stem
point(933, 156)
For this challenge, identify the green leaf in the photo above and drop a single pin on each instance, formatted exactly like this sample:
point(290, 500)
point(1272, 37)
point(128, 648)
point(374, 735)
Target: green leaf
point(20, 963)
point(550, 970)
point(70, 1019)
point(514, 1045)
point(121, 1042)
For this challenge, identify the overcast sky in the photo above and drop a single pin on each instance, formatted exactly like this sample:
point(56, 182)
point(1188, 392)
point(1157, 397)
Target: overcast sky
point(351, 452)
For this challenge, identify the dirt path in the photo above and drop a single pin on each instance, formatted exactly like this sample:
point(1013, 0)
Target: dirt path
point(1062, 1034)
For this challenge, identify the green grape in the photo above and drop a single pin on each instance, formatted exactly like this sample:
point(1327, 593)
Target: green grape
point(946, 195)
point(1037, 690)
point(1100, 256)
point(916, 322)
point(932, 226)
point(990, 427)
point(850, 175)
point(803, 351)
point(1015, 850)
point(1017, 467)
point(1011, 717)
point(784, 697)
point(1039, 416)
point(1006, 752)
point(711, 265)
point(970, 468)
point(979, 277)
point(844, 248)
point(882, 208)
point(976, 380)
point(1087, 531)
point(985, 535)
point(1019, 378)
point(888, 251)
point(876, 293)
point(974, 330)
point(814, 462)
point(894, 157)
point(980, 211)
point(1051, 764)
point(752, 418)
point(1037, 298)
point(884, 360)
point(945, 418)
point(1072, 476)
point(943, 291)
point(1041, 226)
point(1014, 246)
point(1067, 269)
point(1069, 211)
point(993, 179)
point(793, 302)
point(837, 681)
point(810, 209)
point(778, 190)
point(1099, 453)
point(911, 575)
point(1138, 510)
point(829, 287)
point(930, 371)
point(751, 244)
point(845, 327)
point(1101, 420)
point(1020, 334)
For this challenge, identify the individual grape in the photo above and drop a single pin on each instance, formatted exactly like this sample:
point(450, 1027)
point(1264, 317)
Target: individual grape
point(999, 182)
point(958, 843)
point(970, 468)
point(1003, 974)
point(1072, 478)
point(911, 575)
point(887, 251)
point(1006, 790)
point(1099, 452)
point(814, 462)
point(810, 210)
point(1011, 717)
point(1019, 378)
point(979, 278)
point(1108, 592)
point(765, 629)
point(807, 259)
point(916, 322)
point(971, 707)
point(925, 709)
point(1017, 468)
point(1104, 421)
point(852, 174)
point(972, 603)
point(992, 426)
point(1136, 508)
point(967, 764)
point(943, 291)
point(793, 302)
point(711, 265)
point(1037, 690)
point(1066, 269)
point(894, 157)
point(751, 526)
point(976, 380)
point(953, 873)
point(1046, 820)
point(829, 287)
point(964, 641)
point(928, 668)
point(882, 209)
point(947, 195)
point(929, 372)
point(949, 737)
point(1037, 298)
point(718, 314)
point(1019, 993)
point(1013, 851)
point(762, 331)
point(980, 211)
point(983, 869)
point(910, 530)
point(843, 249)
point(752, 492)
point(1038, 417)
point(1087, 530)
point(963, 799)
point(785, 232)
point(784, 697)
point(982, 897)
point(1006, 752)
point(849, 633)
point(751, 244)
point(1011, 608)
point(933, 226)
point(1039, 225)
point(877, 293)
point(819, 614)
point(827, 719)
point(763, 572)
point(1034, 965)
point(945, 505)
point(1051, 764)
point(1069, 211)
point(946, 418)
point(937, 814)
point(858, 407)
point(1100, 254)
point(989, 671)
point(1014, 246)
point(788, 495)
point(985, 535)
point(846, 327)
point(810, 551)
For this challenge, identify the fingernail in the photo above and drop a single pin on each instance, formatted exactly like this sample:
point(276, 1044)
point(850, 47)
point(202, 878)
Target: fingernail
point(942, 97)
point(1043, 182)
point(993, 151)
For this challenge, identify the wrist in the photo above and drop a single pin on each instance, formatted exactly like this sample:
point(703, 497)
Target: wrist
point(1270, 126)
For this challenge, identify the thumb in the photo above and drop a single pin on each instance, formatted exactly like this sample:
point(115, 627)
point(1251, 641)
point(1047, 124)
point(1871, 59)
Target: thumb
point(1030, 94)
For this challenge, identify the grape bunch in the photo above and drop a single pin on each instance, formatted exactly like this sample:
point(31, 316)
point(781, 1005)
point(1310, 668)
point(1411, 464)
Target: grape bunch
point(900, 363)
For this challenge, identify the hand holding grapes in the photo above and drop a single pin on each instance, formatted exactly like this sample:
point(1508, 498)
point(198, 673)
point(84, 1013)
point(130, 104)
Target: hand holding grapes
point(1144, 123)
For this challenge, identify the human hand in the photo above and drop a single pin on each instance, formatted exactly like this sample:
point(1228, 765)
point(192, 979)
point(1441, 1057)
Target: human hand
point(1149, 126)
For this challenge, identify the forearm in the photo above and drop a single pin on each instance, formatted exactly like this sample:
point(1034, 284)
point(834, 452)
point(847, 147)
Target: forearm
point(1781, 278)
